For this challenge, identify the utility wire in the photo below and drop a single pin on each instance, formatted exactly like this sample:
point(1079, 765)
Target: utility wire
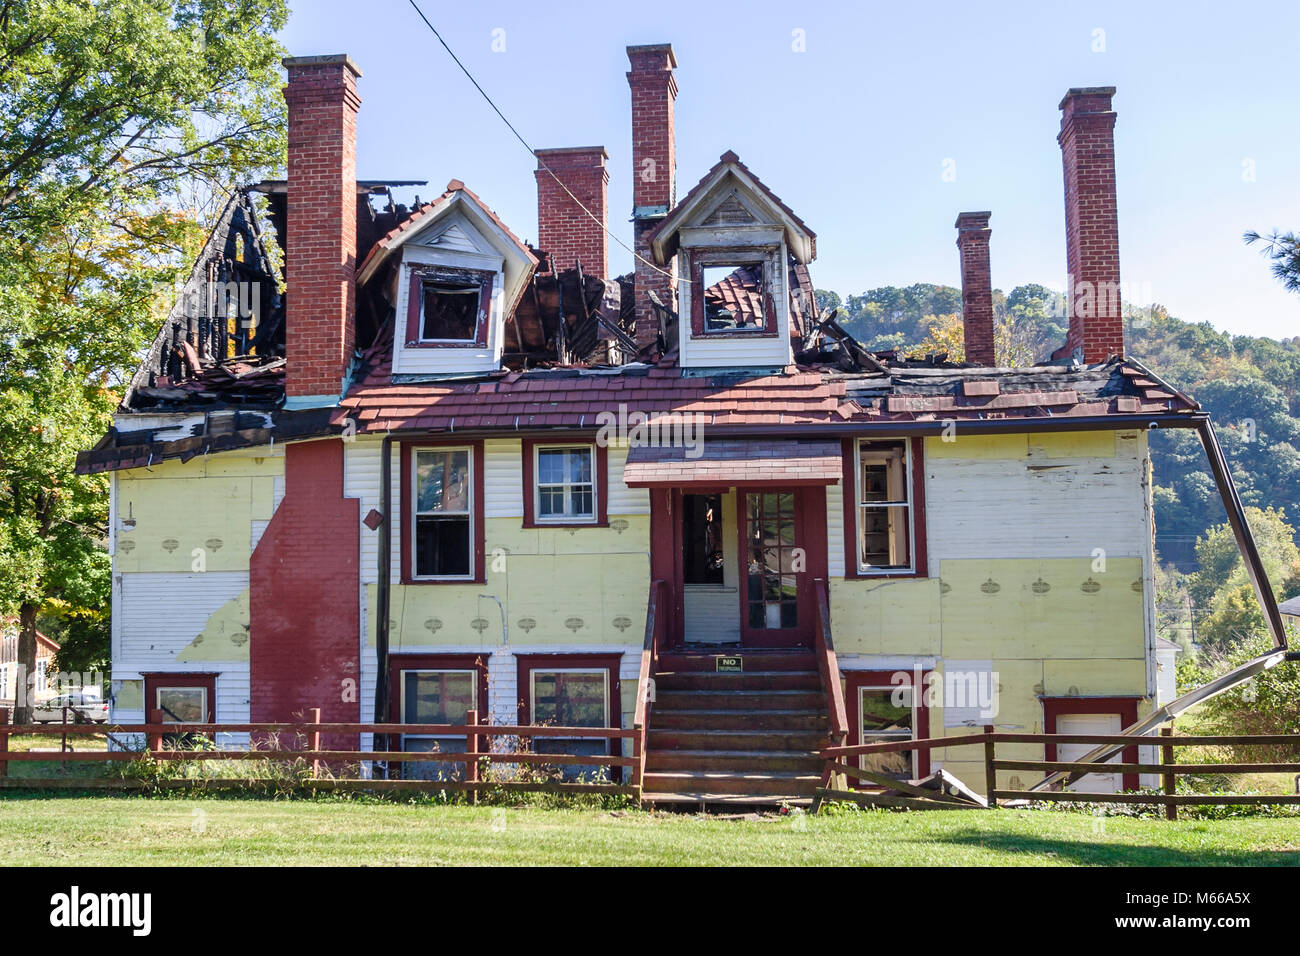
point(541, 162)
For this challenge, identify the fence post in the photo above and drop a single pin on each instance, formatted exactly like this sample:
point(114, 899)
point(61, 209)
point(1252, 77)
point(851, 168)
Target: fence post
point(4, 742)
point(471, 750)
point(155, 738)
point(990, 775)
point(638, 766)
point(1167, 758)
point(313, 741)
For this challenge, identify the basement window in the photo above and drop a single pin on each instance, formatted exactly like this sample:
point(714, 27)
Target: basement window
point(571, 691)
point(884, 507)
point(443, 513)
point(734, 297)
point(887, 714)
point(436, 697)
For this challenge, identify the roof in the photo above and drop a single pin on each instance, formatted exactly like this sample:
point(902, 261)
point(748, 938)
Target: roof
point(726, 462)
point(425, 216)
point(801, 240)
point(1291, 607)
point(574, 397)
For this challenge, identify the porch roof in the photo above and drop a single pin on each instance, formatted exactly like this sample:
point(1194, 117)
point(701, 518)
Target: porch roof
point(723, 463)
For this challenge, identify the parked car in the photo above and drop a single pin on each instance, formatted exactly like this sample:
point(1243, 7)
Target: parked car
point(80, 706)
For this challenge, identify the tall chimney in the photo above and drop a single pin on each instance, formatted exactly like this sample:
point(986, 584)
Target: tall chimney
point(654, 170)
point(321, 245)
point(976, 286)
point(1091, 223)
point(563, 229)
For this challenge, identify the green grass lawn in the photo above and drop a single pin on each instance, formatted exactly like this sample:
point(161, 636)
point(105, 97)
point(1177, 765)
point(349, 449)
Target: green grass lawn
point(133, 830)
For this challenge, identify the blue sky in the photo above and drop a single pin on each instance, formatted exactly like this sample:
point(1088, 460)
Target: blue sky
point(853, 133)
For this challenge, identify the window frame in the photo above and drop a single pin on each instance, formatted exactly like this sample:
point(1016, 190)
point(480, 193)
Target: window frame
point(574, 663)
point(851, 494)
point(398, 664)
point(419, 275)
point(162, 681)
point(709, 257)
point(858, 681)
point(407, 462)
point(529, 453)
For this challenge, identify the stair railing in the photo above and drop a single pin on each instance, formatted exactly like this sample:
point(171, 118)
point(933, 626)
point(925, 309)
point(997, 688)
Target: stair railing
point(655, 618)
point(829, 668)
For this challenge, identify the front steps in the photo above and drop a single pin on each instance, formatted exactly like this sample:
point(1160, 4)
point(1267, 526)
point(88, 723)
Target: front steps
point(747, 738)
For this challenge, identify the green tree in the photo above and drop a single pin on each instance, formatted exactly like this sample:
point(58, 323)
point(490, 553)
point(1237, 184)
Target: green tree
point(1283, 251)
point(114, 117)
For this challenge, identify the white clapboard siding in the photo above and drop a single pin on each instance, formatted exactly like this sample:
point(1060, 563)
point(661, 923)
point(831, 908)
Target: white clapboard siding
point(1018, 508)
point(835, 530)
point(503, 478)
point(712, 615)
point(622, 499)
point(150, 639)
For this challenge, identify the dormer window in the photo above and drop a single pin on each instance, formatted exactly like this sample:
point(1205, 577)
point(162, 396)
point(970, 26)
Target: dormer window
point(734, 298)
point(450, 307)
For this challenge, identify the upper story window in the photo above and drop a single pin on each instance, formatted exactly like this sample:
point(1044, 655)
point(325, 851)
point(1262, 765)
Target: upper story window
point(566, 488)
point(883, 495)
point(734, 298)
point(449, 307)
point(442, 512)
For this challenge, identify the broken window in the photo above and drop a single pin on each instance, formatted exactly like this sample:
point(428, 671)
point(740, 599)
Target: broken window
point(886, 714)
point(449, 310)
point(571, 697)
point(442, 513)
point(884, 495)
point(734, 298)
point(436, 697)
point(565, 490)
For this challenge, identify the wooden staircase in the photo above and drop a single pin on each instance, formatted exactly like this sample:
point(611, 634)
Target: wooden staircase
point(736, 738)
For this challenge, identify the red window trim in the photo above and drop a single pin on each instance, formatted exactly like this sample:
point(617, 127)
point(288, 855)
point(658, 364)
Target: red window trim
point(856, 680)
point(599, 482)
point(849, 489)
point(152, 682)
point(435, 662)
point(415, 297)
point(1125, 707)
point(527, 663)
point(699, 259)
point(479, 527)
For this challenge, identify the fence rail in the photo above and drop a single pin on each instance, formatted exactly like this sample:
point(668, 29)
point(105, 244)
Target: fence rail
point(840, 761)
point(159, 737)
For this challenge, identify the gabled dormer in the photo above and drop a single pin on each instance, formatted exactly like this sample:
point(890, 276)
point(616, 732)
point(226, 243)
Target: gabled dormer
point(734, 240)
point(460, 274)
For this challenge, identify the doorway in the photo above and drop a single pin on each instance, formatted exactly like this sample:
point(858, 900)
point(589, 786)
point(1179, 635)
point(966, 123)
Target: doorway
point(709, 566)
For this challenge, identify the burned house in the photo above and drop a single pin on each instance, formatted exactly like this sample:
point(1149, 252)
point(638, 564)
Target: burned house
point(444, 470)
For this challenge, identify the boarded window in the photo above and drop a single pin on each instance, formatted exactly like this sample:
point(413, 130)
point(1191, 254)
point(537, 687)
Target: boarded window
point(442, 513)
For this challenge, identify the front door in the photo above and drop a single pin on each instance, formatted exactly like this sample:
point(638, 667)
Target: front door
point(777, 601)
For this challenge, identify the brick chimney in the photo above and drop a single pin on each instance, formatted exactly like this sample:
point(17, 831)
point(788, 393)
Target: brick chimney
point(976, 286)
point(1091, 223)
point(563, 229)
point(654, 170)
point(321, 245)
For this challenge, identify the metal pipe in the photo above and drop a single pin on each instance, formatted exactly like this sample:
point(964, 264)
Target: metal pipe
point(384, 590)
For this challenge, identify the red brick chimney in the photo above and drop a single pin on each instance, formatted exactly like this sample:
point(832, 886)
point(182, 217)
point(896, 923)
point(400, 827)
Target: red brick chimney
point(1091, 223)
point(321, 245)
point(654, 170)
point(976, 286)
point(563, 229)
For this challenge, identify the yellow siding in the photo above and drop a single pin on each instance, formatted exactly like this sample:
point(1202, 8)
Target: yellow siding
point(885, 616)
point(225, 638)
point(977, 446)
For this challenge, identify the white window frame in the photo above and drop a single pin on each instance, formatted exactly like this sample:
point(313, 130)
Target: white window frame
point(916, 717)
point(908, 478)
point(538, 518)
point(401, 679)
point(414, 514)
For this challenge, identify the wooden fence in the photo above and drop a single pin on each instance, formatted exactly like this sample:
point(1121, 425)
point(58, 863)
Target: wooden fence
point(841, 762)
point(474, 761)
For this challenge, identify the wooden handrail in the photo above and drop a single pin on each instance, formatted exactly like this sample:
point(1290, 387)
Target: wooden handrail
point(650, 646)
point(828, 666)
